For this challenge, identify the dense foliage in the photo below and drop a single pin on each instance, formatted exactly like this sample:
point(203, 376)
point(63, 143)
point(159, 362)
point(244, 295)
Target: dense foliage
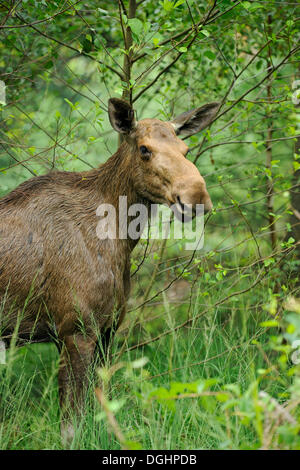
point(207, 356)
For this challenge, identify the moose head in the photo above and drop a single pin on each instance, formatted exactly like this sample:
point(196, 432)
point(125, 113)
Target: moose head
point(163, 174)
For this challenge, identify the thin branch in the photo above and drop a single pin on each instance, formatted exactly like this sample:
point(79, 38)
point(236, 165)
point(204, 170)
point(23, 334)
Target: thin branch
point(165, 69)
point(261, 275)
point(207, 20)
point(27, 25)
point(18, 161)
point(68, 46)
point(241, 142)
point(111, 418)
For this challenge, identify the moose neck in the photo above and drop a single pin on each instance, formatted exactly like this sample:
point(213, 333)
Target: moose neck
point(115, 179)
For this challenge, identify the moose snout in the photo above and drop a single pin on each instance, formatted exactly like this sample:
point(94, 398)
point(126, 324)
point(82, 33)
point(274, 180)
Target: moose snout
point(191, 193)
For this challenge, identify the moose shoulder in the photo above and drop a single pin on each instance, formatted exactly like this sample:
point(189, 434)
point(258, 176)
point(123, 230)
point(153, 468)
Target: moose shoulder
point(58, 280)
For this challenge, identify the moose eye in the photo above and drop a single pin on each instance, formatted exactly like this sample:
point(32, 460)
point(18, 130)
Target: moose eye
point(145, 152)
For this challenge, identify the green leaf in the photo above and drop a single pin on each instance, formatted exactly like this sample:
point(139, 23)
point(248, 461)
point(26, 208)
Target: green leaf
point(115, 405)
point(136, 26)
point(223, 396)
point(205, 32)
point(210, 55)
point(269, 323)
point(73, 106)
point(296, 165)
point(269, 261)
point(168, 5)
point(133, 445)
point(180, 2)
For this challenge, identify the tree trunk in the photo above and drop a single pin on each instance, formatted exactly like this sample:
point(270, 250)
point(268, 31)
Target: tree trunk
point(295, 201)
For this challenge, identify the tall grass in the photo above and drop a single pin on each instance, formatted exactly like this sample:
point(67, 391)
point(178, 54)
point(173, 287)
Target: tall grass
point(198, 387)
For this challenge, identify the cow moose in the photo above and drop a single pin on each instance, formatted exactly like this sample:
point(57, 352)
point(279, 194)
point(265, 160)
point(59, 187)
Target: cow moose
point(58, 280)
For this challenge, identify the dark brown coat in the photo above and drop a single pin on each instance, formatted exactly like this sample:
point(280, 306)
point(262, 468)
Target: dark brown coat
point(58, 280)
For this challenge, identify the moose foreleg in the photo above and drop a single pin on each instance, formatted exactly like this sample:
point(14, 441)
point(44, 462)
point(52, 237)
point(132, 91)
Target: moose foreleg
point(76, 357)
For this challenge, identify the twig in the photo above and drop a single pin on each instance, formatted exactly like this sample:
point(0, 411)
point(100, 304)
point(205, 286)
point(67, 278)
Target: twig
point(111, 418)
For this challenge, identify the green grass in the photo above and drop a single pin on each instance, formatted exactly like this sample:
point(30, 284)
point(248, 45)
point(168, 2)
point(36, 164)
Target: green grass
point(226, 346)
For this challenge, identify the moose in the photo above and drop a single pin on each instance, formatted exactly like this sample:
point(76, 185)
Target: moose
point(58, 280)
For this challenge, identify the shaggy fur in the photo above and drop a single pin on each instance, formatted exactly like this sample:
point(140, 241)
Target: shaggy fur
point(58, 281)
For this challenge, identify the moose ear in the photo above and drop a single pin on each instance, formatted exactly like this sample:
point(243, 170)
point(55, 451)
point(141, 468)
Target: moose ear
point(121, 115)
point(193, 121)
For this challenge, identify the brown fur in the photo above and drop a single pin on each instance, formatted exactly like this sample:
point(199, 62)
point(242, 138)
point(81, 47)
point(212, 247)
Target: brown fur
point(57, 278)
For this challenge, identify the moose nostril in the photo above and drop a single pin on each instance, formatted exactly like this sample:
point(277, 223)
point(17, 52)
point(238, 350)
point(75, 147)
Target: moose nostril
point(180, 203)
